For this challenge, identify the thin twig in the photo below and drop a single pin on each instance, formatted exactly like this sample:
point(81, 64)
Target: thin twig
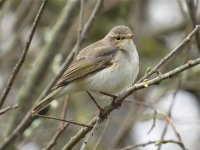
point(166, 117)
point(81, 25)
point(89, 136)
point(23, 55)
point(156, 142)
point(182, 11)
point(130, 119)
point(64, 112)
point(55, 137)
point(107, 110)
point(93, 99)
point(91, 19)
point(169, 114)
point(29, 91)
point(86, 29)
point(8, 108)
point(61, 129)
point(171, 106)
point(172, 53)
point(28, 118)
point(62, 125)
point(154, 122)
point(102, 134)
point(72, 122)
point(192, 12)
point(129, 91)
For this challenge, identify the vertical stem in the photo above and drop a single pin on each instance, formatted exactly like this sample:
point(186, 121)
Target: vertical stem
point(23, 55)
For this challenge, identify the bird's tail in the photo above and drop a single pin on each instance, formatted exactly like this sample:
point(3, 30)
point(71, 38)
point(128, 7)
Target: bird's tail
point(45, 102)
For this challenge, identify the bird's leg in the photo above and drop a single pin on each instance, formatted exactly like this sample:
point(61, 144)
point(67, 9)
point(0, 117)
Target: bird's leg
point(93, 99)
point(109, 95)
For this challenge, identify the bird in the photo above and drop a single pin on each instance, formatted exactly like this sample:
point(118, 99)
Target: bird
point(109, 65)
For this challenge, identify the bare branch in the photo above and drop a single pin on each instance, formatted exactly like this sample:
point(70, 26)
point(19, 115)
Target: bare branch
point(29, 91)
point(69, 121)
point(102, 134)
point(81, 23)
point(62, 128)
point(192, 12)
point(55, 137)
point(23, 55)
point(171, 106)
point(8, 108)
point(156, 142)
point(81, 134)
point(169, 114)
point(64, 113)
point(88, 137)
point(27, 120)
point(154, 122)
point(172, 53)
point(108, 109)
point(183, 13)
point(85, 31)
point(91, 19)
point(166, 117)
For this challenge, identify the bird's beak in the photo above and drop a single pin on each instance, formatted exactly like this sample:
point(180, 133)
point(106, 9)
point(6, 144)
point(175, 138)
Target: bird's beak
point(130, 36)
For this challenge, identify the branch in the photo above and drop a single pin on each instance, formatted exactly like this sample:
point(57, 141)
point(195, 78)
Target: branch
point(62, 128)
point(91, 19)
point(88, 137)
point(81, 23)
point(85, 31)
point(8, 108)
point(172, 53)
point(169, 115)
point(23, 55)
point(154, 122)
point(102, 134)
point(192, 12)
point(156, 142)
point(64, 112)
point(27, 120)
point(166, 118)
point(63, 120)
point(56, 136)
point(120, 98)
point(31, 87)
point(108, 109)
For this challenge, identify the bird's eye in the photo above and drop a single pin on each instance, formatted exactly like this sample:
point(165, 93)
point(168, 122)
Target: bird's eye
point(117, 38)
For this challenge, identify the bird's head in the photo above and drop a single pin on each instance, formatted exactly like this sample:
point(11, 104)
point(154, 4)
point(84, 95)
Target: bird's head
point(120, 36)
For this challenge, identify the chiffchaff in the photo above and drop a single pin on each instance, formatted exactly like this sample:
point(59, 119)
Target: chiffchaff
point(109, 65)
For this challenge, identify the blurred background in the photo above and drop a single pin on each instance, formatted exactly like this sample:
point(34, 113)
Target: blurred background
point(159, 26)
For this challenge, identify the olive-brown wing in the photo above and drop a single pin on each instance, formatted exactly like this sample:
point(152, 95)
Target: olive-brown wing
point(84, 67)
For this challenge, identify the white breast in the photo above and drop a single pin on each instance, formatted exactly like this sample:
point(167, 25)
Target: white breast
point(119, 76)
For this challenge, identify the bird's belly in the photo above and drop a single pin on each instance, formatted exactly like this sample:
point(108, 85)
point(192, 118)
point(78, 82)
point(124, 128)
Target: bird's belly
point(113, 80)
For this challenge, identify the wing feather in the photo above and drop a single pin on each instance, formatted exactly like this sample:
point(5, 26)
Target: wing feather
point(87, 65)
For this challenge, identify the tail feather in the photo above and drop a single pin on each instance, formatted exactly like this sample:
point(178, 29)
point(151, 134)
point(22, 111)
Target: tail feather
point(45, 102)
